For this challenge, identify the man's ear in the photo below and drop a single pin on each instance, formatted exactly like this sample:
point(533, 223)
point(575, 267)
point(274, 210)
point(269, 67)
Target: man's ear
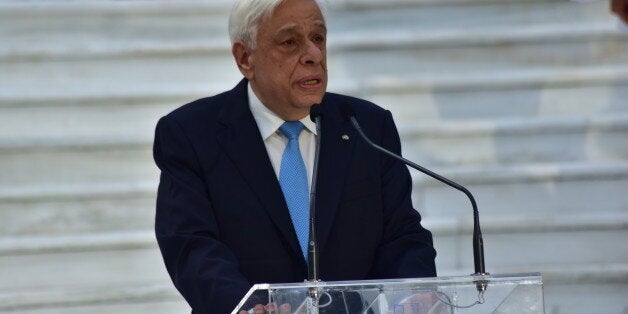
point(242, 55)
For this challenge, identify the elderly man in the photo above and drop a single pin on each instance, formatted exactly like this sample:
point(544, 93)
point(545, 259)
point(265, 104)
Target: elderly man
point(236, 169)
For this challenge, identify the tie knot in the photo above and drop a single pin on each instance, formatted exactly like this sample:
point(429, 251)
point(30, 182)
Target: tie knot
point(292, 129)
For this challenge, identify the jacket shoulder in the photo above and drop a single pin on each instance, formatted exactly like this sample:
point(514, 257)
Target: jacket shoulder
point(360, 106)
point(204, 109)
point(365, 111)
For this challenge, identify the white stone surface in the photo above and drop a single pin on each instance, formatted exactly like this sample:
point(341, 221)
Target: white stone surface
point(93, 27)
point(121, 295)
point(512, 141)
point(529, 252)
point(198, 70)
point(552, 190)
point(540, 189)
point(81, 208)
point(537, 93)
point(586, 298)
point(82, 269)
point(156, 307)
point(523, 101)
point(112, 240)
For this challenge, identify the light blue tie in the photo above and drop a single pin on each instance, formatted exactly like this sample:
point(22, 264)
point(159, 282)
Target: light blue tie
point(293, 181)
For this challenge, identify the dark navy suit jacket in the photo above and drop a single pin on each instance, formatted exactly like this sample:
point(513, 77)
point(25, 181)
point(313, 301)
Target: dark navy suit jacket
point(222, 223)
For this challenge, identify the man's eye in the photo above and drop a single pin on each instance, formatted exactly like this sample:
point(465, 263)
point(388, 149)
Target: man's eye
point(288, 42)
point(319, 39)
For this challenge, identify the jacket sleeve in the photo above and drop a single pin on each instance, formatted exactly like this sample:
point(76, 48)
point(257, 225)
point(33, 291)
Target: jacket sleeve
point(203, 269)
point(407, 249)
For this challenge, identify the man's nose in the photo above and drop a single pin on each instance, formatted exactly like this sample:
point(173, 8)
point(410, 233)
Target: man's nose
point(312, 54)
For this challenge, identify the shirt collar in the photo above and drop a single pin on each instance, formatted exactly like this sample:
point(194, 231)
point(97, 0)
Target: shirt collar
point(269, 122)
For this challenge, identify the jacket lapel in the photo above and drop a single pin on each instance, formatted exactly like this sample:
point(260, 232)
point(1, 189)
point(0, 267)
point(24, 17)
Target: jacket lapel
point(242, 142)
point(335, 156)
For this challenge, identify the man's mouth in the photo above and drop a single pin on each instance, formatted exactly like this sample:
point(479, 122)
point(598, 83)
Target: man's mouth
point(311, 82)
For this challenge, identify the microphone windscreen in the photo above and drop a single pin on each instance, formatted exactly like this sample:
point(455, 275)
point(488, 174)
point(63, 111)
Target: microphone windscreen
point(315, 111)
point(347, 110)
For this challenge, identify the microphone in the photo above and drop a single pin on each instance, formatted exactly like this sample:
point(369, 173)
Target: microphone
point(478, 243)
point(312, 256)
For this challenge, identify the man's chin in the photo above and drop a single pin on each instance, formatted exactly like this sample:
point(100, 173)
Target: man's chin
point(308, 105)
point(309, 100)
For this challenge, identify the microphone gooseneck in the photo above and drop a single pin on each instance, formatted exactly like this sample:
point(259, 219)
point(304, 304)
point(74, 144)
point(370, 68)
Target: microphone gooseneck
point(478, 243)
point(313, 272)
point(312, 252)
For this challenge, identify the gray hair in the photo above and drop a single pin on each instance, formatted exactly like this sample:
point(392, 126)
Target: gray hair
point(246, 16)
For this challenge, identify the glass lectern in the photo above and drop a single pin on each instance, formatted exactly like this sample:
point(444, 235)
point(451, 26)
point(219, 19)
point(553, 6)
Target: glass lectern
point(521, 293)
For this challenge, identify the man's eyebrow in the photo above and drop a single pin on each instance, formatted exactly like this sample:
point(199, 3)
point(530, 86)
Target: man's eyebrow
point(293, 27)
point(286, 29)
point(321, 24)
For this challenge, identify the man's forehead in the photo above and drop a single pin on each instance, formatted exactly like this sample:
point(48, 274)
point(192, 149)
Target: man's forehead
point(290, 14)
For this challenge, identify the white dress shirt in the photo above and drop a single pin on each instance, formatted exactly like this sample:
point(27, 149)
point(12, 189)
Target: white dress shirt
point(275, 141)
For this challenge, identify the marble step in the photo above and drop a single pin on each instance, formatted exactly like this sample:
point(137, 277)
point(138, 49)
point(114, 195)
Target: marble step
point(95, 298)
point(415, 52)
point(95, 241)
point(105, 269)
point(539, 241)
point(439, 15)
point(107, 292)
point(553, 189)
point(547, 245)
point(78, 162)
point(535, 189)
point(446, 231)
point(379, 4)
point(509, 93)
point(567, 299)
point(25, 127)
point(79, 208)
point(108, 307)
point(587, 91)
point(100, 146)
point(60, 30)
point(516, 141)
point(351, 60)
point(525, 243)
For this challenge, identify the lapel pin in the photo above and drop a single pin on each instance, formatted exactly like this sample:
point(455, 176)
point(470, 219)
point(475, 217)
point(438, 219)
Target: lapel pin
point(345, 137)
